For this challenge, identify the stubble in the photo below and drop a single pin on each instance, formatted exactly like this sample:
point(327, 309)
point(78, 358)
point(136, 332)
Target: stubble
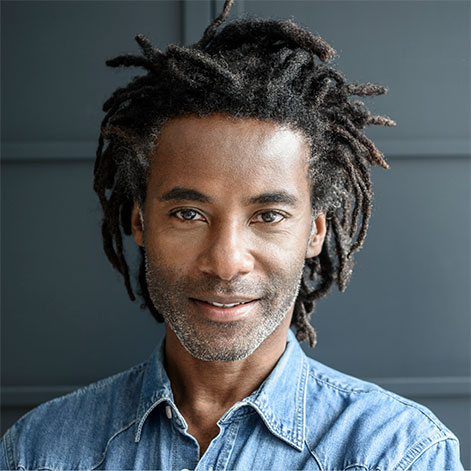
point(222, 341)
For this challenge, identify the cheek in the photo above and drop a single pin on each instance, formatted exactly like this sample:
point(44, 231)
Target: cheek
point(290, 246)
point(170, 253)
point(283, 261)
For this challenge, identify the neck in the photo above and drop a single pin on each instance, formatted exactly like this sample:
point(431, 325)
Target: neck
point(214, 387)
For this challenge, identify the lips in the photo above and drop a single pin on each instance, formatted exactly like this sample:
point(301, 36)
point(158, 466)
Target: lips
point(228, 309)
point(226, 305)
point(225, 301)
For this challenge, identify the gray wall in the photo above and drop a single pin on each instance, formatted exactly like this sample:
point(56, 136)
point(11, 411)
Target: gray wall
point(404, 322)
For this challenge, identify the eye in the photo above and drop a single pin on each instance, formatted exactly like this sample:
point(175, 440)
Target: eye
point(269, 217)
point(188, 215)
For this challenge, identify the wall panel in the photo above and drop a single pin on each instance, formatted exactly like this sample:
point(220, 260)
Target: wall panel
point(404, 322)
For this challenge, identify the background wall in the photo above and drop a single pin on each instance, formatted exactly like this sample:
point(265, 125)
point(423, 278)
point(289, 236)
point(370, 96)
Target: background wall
point(404, 322)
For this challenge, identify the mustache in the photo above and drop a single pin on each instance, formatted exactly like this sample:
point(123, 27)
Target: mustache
point(195, 287)
point(238, 286)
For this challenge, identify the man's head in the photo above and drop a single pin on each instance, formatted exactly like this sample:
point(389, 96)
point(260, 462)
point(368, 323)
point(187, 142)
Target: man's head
point(226, 226)
point(254, 79)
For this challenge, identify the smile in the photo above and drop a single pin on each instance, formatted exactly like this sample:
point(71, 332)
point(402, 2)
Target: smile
point(228, 311)
point(226, 305)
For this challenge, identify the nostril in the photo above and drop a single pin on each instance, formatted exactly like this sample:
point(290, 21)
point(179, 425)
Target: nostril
point(226, 265)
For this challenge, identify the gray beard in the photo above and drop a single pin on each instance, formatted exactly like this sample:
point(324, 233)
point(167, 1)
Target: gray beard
point(222, 341)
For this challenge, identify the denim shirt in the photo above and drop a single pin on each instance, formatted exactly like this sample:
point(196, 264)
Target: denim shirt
point(304, 416)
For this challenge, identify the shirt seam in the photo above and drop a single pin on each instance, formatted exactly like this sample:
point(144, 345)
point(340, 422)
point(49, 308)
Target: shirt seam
point(143, 418)
point(83, 390)
point(383, 392)
point(8, 458)
point(410, 404)
point(314, 456)
point(106, 381)
point(103, 456)
point(360, 465)
point(335, 386)
point(248, 410)
point(98, 385)
point(419, 449)
point(301, 403)
point(52, 468)
point(274, 430)
point(41, 468)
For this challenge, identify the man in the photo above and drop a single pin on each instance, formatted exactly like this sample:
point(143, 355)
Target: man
point(239, 168)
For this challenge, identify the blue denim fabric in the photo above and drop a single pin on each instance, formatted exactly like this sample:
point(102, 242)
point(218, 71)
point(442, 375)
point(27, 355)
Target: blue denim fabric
point(304, 416)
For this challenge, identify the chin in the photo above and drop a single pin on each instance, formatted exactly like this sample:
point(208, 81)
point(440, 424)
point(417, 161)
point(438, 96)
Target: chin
point(226, 355)
point(221, 347)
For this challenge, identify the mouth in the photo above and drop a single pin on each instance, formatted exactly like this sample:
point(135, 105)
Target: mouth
point(226, 305)
point(225, 310)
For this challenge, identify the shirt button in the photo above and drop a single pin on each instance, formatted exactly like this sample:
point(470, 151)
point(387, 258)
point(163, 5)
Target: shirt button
point(168, 411)
point(210, 468)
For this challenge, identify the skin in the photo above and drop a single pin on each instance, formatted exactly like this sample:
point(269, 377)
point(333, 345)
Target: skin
point(226, 245)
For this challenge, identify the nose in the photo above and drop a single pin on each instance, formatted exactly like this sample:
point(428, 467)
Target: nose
point(227, 253)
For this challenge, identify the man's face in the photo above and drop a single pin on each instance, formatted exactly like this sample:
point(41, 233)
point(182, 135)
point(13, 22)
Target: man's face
point(227, 226)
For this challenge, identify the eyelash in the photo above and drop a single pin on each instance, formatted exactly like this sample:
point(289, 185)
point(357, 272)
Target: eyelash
point(277, 213)
point(282, 216)
point(175, 214)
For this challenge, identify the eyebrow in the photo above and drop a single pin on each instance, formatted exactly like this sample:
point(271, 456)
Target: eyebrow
point(187, 194)
point(275, 197)
point(184, 194)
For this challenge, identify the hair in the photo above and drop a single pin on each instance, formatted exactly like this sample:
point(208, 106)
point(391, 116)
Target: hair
point(265, 69)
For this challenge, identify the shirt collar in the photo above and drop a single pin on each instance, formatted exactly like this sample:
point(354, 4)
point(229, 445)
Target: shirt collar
point(155, 387)
point(280, 400)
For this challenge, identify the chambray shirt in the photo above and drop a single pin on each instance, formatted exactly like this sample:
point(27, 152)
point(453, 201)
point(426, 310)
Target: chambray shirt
point(304, 416)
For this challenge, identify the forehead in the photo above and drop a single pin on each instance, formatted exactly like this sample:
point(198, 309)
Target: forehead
point(202, 151)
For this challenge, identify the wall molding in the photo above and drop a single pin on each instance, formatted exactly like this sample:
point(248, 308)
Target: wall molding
point(446, 386)
point(450, 387)
point(196, 16)
point(20, 151)
point(16, 151)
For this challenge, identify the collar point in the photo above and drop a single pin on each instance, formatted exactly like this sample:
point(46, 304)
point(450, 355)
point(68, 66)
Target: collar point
point(299, 445)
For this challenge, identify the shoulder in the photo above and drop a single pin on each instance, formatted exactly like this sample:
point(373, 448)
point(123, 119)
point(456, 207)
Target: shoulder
point(355, 422)
point(58, 429)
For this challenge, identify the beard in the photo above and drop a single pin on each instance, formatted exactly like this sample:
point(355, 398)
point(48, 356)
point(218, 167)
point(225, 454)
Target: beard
point(172, 294)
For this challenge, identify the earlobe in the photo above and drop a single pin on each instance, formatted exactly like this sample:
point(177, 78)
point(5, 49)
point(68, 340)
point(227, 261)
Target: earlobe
point(317, 237)
point(137, 225)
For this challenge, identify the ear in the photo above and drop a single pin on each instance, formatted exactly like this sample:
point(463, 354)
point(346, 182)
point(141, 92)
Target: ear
point(137, 225)
point(317, 237)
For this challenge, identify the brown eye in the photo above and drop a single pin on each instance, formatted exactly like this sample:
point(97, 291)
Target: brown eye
point(269, 217)
point(188, 215)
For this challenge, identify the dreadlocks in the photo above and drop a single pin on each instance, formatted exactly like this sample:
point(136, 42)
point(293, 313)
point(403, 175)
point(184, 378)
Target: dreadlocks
point(266, 69)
